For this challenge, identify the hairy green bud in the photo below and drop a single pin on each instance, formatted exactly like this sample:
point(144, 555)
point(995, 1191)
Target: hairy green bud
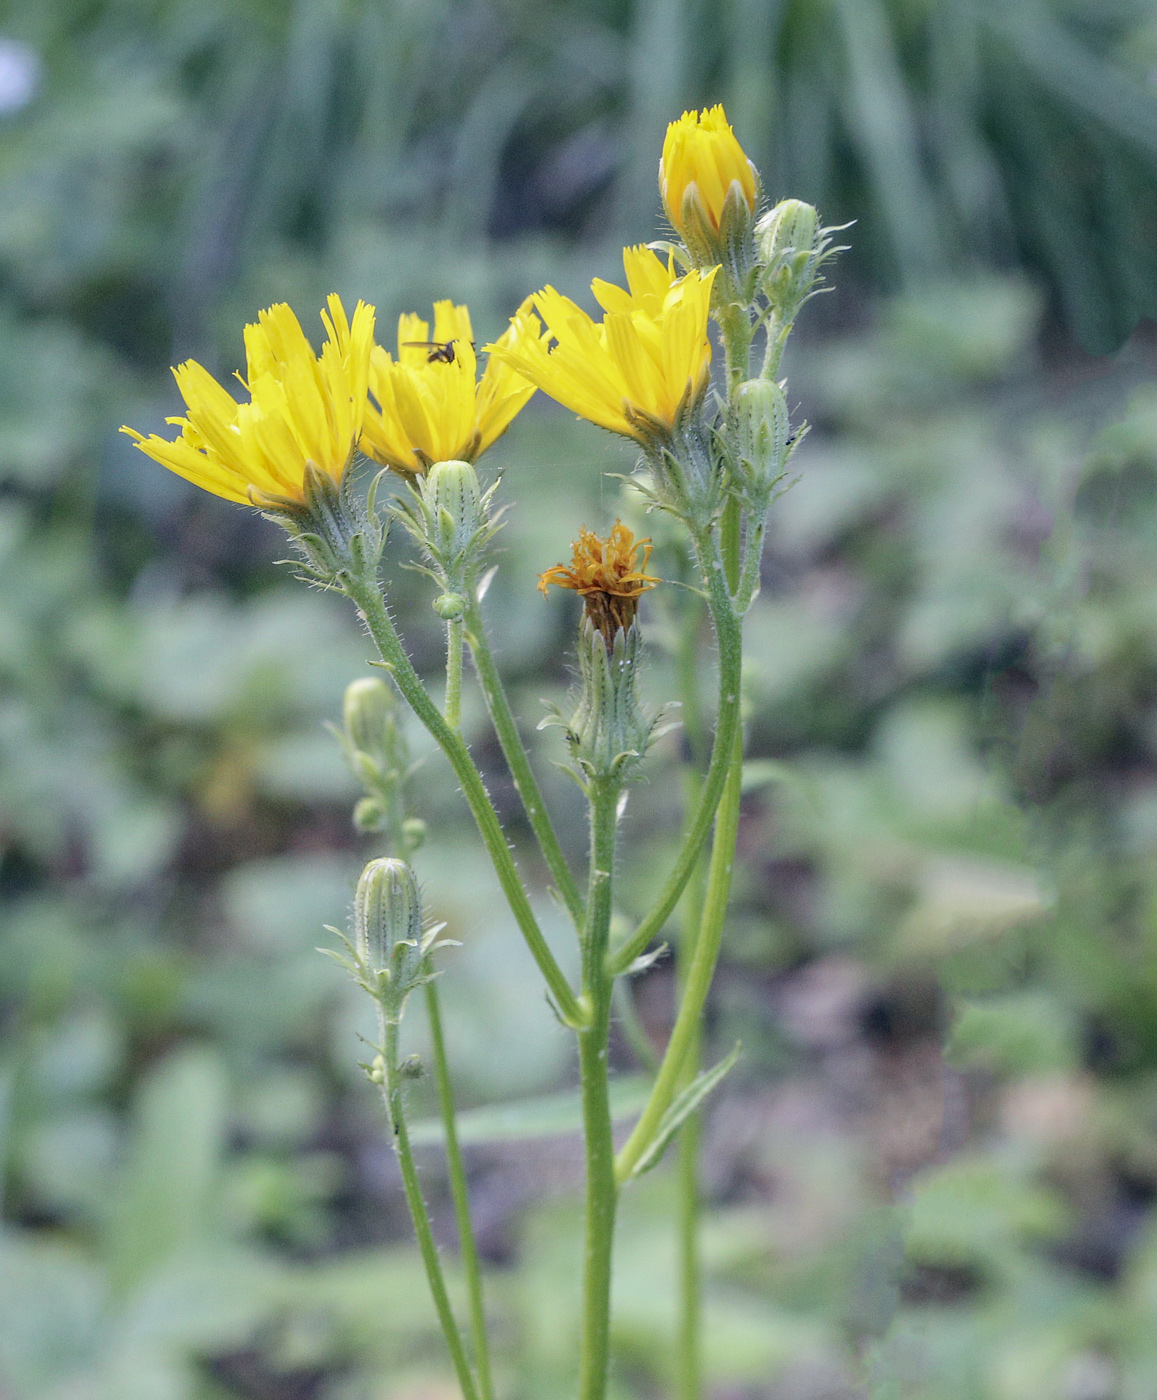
point(792, 247)
point(449, 516)
point(369, 716)
point(388, 931)
point(453, 500)
point(761, 435)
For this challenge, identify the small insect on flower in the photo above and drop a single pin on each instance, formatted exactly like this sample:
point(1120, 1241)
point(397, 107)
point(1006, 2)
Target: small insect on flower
point(429, 404)
point(439, 352)
point(608, 575)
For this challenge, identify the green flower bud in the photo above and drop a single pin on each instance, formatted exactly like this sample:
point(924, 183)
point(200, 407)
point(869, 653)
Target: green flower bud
point(369, 717)
point(369, 814)
point(414, 832)
point(449, 515)
point(761, 434)
point(388, 931)
point(791, 246)
point(453, 501)
point(449, 606)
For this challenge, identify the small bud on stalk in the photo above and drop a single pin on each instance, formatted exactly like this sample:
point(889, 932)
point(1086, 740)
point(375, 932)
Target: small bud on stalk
point(389, 946)
point(449, 516)
point(792, 247)
point(376, 751)
point(761, 437)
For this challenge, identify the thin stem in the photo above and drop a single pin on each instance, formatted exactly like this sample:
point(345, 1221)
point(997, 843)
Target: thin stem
point(777, 333)
point(392, 1095)
point(701, 969)
point(728, 637)
point(688, 1361)
point(700, 972)
point(627, 1019)
point(748, 584)
point(365, 593)
point(452, 709)
point(601, 1188)
point(460, 1192)
point(519, 763)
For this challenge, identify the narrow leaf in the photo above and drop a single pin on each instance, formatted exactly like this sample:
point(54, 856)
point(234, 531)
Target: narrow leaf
point(682, 1108)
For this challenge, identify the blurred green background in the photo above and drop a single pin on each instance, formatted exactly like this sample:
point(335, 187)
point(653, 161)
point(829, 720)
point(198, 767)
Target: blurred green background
point(933, 1174)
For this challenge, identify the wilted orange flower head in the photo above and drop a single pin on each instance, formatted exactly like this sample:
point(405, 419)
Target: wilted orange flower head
point(701, 154)
point(608, 575)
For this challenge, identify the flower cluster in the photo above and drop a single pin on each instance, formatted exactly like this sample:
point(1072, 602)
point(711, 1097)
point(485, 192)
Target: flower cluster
point(308, 409)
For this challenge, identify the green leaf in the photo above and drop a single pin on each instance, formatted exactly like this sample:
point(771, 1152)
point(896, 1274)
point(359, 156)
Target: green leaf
point(683, 1107)
point(546, 1115)
point(165, 1196)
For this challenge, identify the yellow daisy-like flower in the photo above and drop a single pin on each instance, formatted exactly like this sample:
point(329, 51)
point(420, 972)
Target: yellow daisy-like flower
point(701, 156)
point(634, 372)
point(608, 575)
point(429, 405)
point(303, 407)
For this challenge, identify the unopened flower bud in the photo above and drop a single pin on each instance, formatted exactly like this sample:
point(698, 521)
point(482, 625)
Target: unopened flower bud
point(761, 433)
point(369, 716)
point(791, 246)
point(388, 929)
point(414, 831)
point(369, 814)
point(449, 606)
point(453, 501)
point(709, 190)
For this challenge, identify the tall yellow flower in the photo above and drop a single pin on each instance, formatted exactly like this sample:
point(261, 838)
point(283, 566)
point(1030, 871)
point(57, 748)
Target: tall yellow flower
point(302, 408)
point(702, 164)
point(634, 372)
point(429, 406)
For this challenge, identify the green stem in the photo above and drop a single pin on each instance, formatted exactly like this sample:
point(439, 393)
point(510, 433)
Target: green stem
point(366, 594)
point(601, 1188)
point(688, 1362)
point(727, 727)
point(392, 1095)
point(700, 972)
point(452, 709)
point(701, 969)
point(460, 1192)
point(519, 763)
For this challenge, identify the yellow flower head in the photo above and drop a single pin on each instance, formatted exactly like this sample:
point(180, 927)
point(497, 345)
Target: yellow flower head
point(608, 575)
point(701, 155)
point(429, 406)
point(302, 408)
point(637, 370)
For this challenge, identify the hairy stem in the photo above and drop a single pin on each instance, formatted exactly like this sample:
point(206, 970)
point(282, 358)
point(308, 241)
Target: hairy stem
point(461, 1195)
point(452, 708)
point(518, 762)
point(601, 1188)
point(392, 1096)
point(727, 632)
point(701, 968)
point(366, 594)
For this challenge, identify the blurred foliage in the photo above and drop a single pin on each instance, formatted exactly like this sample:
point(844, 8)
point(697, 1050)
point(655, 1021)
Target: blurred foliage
point(950, 831)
